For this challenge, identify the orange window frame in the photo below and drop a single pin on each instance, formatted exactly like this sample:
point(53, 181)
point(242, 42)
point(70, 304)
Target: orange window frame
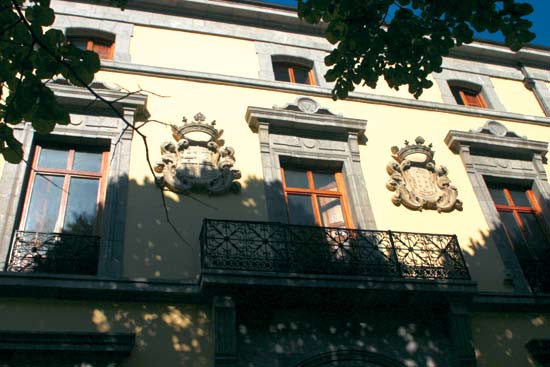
point(91, 44)
point(67, 173)
point(516, 209)
point(470, 97)
point(315, 193)
point(290, 69)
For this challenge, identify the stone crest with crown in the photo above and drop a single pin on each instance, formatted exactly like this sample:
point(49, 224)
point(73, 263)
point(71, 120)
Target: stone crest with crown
point(197, 160)
point(416, 180)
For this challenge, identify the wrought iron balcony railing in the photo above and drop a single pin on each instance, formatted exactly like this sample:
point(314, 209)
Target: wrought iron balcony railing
point(57, 253)
point(281, 248)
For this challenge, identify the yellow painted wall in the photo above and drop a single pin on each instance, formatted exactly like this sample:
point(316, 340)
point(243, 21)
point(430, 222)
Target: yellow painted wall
point(516, 98)
point(166, 334)
point(432, 94)
point(152, 248)
point(500, 338)
point(193, 51)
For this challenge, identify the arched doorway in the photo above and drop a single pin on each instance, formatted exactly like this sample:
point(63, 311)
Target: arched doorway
point(350, 358)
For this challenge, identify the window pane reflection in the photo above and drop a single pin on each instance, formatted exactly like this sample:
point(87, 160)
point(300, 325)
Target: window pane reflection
point(44, 204)
point(325, 181)
point(331, 212)
point(85, 161)
point(53, 158)
point(519, 196)
point(498, 195)
point(301, 75)
point(297, 179)
point(81, 209)
point(300, 210)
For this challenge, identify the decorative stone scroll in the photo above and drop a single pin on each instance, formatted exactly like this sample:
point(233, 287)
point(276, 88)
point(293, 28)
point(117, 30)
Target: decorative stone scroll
point(417, 181)
point(196, 160)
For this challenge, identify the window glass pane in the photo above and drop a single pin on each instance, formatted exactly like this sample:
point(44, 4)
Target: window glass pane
point(81, 209)
point(497, 193)
point(81, 43)
point(331, 212)
point(53, 158)
point(43, 209)
point(456, 94)
point(519, 196)
point(85, 161)
point(325, 181)
point(301, 75)
point(281, 72)
point(536, 237)
point(296, 179)
point(300, 210)
point(103, 49)
point(515, 236)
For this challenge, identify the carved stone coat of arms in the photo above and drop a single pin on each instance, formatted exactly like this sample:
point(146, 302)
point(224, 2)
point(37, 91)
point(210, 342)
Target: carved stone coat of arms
point(417, 181)
point(197, 160)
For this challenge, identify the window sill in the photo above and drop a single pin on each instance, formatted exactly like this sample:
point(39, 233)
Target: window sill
point(94, 287)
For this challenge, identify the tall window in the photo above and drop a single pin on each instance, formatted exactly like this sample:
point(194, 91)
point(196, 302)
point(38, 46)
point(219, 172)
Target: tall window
point(102, 46)
point(66, 190)
point(315, 197)
point(293, 72)
point(468, 97)
point(522, 221)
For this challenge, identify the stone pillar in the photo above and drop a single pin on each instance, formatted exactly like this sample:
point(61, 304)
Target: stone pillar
point(538, 87)
point(225, 332)
point(461, 336)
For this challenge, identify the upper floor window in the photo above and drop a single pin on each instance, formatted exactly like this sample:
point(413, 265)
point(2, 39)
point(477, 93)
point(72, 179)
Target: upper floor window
point(315, 197)
point(59, 227)
point(468, 96)
point(292, 71)
point(65, 190)
point(101, 43)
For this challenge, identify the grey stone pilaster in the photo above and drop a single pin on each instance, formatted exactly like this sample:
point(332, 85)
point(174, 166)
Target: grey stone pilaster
point(225, 332)
point(461, 336)
point(12, 190)
point(542, 92)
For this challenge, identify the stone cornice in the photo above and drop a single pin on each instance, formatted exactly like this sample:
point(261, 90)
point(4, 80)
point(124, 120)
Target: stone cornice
point(163, 72)
point(71, 95)
point(455, 139)
point(304, 121)
point(115, 345)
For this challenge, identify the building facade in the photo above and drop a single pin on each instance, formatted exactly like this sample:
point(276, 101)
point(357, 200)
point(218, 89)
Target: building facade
point(223, 210)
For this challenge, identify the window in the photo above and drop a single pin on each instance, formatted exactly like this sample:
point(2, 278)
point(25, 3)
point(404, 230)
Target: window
point(468, 97)
point(293, 73)
point(59, 229)
point(65, 191)
point(315, 197)
point(522, 221)
point(104, 47)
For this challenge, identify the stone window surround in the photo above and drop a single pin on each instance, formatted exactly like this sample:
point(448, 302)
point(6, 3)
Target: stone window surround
point(532, 172)
point(282, 143)
point(315, 58)
point(93, 124)
point(473, 81)
point(122, 32)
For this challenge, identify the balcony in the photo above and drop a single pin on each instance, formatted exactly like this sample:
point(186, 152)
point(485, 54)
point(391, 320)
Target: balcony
point(255, 250)
point(54, 253)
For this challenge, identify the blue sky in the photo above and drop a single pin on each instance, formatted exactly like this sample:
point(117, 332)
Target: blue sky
point(540, 17)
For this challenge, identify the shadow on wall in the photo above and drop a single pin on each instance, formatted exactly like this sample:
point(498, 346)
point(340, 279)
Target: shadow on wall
point(270, 336)
point(153, 249)
point(170, 335)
